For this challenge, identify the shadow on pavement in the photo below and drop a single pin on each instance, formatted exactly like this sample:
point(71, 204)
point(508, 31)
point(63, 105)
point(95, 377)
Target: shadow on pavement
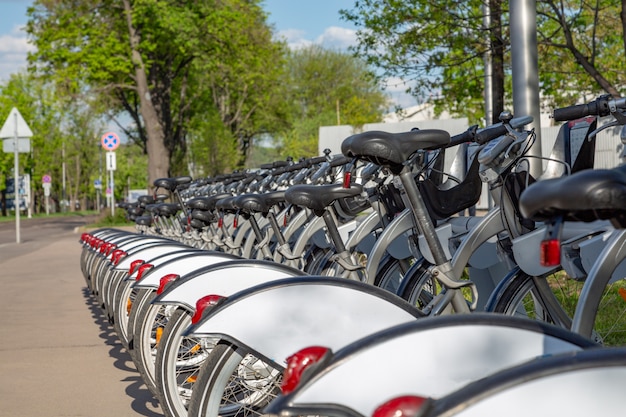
point(142, 399)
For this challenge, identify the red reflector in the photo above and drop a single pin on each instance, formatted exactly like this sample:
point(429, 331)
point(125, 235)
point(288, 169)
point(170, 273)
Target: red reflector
point(117, 255)
point(297, 363)
point(110, 248)
point(550, 252)
point(285, 220)
point(202, 304)
point(142, 270)
point(235, 222)
point(134, 265)
point(347, 179)
point(166, 279)
point(405, 406)
point(220, 222)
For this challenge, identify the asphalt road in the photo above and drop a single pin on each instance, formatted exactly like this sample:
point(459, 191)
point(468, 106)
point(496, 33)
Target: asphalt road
point(59, 357)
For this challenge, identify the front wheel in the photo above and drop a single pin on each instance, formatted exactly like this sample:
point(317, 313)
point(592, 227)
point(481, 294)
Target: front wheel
point(234, 383)
point(553, 299)
point(178, 362)
point(535, 298)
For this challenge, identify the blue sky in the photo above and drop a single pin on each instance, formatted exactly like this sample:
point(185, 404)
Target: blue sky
point(299, 22)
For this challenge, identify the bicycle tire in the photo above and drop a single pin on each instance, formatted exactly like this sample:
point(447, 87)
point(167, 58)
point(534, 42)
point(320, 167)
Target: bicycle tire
point(391, 273)
point(524, 296)
point(178, 362)
point(419, 287)
point(528, 296)
point(151, 321)
point(225, 387)
point(124, 299)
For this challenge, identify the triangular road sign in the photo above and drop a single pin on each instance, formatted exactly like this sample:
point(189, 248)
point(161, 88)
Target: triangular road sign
point(8, 129)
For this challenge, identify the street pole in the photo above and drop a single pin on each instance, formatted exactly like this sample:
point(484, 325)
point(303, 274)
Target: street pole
point(526, 72)
point(64, 208)
point(112, 193)
point(16, 185)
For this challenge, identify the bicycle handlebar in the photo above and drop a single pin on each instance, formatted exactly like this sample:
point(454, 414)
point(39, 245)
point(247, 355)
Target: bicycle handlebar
point(482, 136)
point(602, 106)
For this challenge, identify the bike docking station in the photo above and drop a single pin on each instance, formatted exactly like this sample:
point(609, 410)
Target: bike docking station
point(15, 135)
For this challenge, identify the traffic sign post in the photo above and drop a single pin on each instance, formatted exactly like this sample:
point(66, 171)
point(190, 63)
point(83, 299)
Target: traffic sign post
point(15, 127)
point(46, 183)
point(110, 142)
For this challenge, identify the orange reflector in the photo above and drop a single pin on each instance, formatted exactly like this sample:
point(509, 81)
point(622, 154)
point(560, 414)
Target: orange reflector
point(550, 252)
point(129, 306)
point(622, 293)
point(191, 379)
point(195, 349)
point(159, 334)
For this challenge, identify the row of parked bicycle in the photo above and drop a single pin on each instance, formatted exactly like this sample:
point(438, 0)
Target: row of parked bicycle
point(337, 285)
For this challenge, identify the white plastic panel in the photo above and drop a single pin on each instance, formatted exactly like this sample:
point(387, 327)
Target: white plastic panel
point(580, 393)
point(222, 281)
point(151, 251)
point(282, 320)
point(431, 362)
point(181, 265)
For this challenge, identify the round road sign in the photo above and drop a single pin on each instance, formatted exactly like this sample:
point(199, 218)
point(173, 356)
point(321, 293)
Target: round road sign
point(110, 141)
point(46, 179)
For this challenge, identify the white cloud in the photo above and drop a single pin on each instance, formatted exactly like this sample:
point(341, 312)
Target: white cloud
point(332, 37)
point(337, 37)
point(13, 50)
point(396, 89)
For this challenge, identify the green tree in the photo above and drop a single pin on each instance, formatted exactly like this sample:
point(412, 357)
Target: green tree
point(39, 107)
point(582, 47)
point(325, 87)
point(439, 46)
point(154, 59)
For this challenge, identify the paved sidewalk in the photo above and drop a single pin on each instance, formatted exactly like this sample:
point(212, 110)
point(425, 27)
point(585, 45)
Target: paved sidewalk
point(58, 355)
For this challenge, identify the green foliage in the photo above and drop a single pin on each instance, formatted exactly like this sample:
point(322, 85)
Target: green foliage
point(196, 56)
point(325, 87)
point(107, 220)
point(438, 45)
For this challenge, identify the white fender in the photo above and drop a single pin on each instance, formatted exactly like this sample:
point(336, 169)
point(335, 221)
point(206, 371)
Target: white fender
point(430, 358)
point(223, 279)
point(149, 252)
point(583, 384)
point(182, 264)
point(277, 319)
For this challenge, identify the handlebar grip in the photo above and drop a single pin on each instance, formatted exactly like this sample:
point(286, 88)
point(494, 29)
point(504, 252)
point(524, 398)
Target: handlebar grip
point(575, 112)
point(339, 161)
point(489, 133)
point(467, 136)
point(317, 160)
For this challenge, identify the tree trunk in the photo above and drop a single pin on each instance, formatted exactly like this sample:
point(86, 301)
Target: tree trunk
point(497, 59)
point(158, 155)
point(3, 202)
point(622, 15)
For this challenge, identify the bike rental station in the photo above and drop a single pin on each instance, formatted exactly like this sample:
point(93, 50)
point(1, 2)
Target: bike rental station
point(362, 283)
